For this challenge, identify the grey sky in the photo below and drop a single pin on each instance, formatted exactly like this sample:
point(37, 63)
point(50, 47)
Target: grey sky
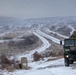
point(37, 8)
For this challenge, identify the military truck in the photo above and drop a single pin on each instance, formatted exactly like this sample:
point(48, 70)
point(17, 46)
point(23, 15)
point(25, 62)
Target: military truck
point(69, 49)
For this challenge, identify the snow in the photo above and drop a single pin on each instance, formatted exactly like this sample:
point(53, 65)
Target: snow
point(48, 36)
point(1, 41)
point(55, 67)
point(43, 67)
point(56, 33)
point(71, 27)
point(43, 47)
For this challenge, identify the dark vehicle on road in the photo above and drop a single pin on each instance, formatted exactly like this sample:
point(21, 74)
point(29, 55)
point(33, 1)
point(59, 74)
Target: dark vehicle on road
point(70, 49)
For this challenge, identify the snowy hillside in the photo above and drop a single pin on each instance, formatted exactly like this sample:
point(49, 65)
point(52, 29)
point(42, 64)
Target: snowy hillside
point(42, 35)
point(58, 24)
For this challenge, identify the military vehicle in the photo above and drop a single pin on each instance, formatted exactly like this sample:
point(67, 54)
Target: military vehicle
point(69, 49)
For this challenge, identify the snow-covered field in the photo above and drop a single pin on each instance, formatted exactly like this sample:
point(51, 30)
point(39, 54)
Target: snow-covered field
point(56, 33)
point(55, 67)
point(42, 67)
point(44, 46)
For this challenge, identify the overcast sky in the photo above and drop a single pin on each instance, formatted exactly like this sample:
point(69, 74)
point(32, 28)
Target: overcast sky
point(37, 8)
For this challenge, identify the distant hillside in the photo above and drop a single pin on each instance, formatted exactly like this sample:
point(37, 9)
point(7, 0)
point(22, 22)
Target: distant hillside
point(58, 24)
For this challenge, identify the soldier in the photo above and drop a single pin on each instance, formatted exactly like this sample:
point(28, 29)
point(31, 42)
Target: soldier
point(36, 56)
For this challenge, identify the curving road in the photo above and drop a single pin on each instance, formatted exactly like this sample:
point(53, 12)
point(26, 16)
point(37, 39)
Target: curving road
point(48, 36)
point(48, 30)
point(73, 29)
point(43, 47)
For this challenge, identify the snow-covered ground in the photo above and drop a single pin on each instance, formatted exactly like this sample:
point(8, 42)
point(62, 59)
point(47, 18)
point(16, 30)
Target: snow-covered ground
point(55, 67)
point(44, 67)
point(56, 33)
point(72, 29)
point(43, 47)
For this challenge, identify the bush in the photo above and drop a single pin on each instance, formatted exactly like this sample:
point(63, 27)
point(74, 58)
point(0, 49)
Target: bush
point(27, 41)
point(4, 59)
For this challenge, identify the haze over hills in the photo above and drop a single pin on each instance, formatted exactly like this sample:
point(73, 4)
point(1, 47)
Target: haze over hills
point(8, 23)
point(41, 20)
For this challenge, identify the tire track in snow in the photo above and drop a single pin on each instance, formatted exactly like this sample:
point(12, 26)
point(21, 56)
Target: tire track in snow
point(48, 36)
point(45, 44)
